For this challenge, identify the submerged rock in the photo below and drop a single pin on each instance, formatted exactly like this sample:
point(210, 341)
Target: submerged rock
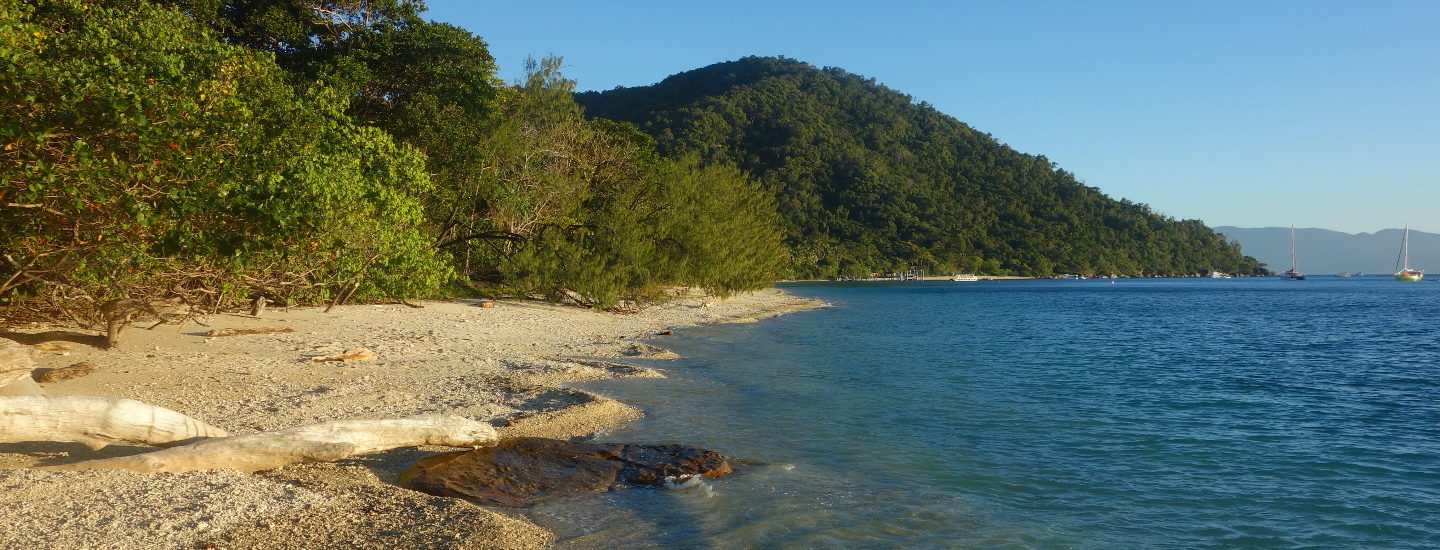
point(647, 351)
point(524, 471)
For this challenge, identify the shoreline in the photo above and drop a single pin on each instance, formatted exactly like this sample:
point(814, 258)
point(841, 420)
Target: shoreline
point(506, 364)
point(898, 280)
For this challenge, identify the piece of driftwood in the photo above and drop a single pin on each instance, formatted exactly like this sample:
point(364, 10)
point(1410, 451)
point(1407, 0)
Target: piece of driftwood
point(322, 442)
point(118, 314)
point(358, 354)
point(215, 333)
point(96, 421)
point(15, 362)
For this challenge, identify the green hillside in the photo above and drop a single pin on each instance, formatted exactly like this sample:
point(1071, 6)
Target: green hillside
point(867, 180)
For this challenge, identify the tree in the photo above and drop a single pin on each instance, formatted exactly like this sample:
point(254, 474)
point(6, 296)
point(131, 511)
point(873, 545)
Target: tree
point(145, 158)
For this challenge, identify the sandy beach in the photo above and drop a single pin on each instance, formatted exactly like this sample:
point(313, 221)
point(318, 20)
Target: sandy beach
point(504, 365)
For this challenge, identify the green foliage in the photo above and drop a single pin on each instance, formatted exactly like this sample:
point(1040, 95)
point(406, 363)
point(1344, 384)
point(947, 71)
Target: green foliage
point(721, 231)
point(219, 149)
point(297, 32)
point(867, 181)
point(144, 156)
point(583, 210)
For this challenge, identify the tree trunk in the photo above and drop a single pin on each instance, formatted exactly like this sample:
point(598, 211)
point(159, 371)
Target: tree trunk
point(96, 421)
point(326, 441)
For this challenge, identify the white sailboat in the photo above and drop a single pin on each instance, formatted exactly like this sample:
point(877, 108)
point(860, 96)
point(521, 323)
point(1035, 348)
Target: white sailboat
point(1405, 274)
point(1292, 273)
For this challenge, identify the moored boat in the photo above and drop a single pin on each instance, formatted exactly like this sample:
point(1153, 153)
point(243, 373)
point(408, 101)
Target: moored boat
point(1405, 273)
point(1293, 273)
point(964, 277)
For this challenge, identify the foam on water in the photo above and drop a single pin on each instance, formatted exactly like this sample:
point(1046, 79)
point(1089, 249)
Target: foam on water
point(1049, 414)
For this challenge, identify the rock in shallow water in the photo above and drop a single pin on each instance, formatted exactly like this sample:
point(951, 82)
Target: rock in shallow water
point(524, 471)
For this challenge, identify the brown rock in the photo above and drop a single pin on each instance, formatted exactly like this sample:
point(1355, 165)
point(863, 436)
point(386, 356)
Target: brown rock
point(487, 304)
point(647, 351)
point(524, 471)
point(65, 373)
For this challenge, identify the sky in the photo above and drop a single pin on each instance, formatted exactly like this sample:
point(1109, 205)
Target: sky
point(1311, 113)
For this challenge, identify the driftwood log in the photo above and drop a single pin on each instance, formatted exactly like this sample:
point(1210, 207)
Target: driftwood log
point(100, 421)
point(96, 421)
point(15, 361)
point(194, 444)
point(322, 442)
point(15, 368)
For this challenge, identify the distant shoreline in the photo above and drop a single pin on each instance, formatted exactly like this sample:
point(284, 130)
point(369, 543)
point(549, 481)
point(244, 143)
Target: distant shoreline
point(898, 280)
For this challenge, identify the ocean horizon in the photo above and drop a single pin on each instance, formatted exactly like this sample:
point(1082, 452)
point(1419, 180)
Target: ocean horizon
point(1170, 413)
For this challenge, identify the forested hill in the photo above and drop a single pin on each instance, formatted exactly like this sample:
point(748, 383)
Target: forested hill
point(867, 180)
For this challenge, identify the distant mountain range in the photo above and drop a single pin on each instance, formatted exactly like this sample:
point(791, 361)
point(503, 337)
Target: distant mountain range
point(1322, 251)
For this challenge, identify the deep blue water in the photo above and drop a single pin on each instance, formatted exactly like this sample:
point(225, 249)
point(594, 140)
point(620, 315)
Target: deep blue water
point(1236, 413)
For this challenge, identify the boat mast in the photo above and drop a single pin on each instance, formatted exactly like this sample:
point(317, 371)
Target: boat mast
point(1404, 259)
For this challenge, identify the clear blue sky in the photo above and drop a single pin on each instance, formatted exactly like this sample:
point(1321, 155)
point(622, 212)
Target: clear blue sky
point(1248, 113)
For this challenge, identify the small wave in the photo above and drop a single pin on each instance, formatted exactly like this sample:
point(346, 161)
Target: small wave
point(690, 483)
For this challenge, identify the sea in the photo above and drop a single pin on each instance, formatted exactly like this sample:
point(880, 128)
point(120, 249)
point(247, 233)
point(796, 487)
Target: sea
point(1086, 414)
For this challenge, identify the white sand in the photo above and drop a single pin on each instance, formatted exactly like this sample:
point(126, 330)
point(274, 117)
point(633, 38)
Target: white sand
point(503, 365)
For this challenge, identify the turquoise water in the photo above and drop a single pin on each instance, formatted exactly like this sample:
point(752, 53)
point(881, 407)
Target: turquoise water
point(1238, 413)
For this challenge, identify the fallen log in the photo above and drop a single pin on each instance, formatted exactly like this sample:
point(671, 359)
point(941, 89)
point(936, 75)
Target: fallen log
point(15, 362)
point(357, 354)
point(96, 421)
point(216, 333)
point(322, 442)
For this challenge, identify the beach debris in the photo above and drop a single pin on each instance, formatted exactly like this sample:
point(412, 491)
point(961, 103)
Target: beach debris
point(15, 361)
point(487, 304)
point(119, 313)
point(15, 368)
point(52, 347)
point(96, 421)
point(216, 333)
point(524, 471)
point(357, 354)
point(65, 373)
point(323, 442)
point(647, 351)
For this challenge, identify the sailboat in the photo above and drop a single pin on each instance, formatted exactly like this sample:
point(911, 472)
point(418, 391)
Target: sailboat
point(1293, 273)
point(1407, 275)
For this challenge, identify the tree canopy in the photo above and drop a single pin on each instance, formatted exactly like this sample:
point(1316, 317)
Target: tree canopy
point(219, 150)
point(143, 157)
